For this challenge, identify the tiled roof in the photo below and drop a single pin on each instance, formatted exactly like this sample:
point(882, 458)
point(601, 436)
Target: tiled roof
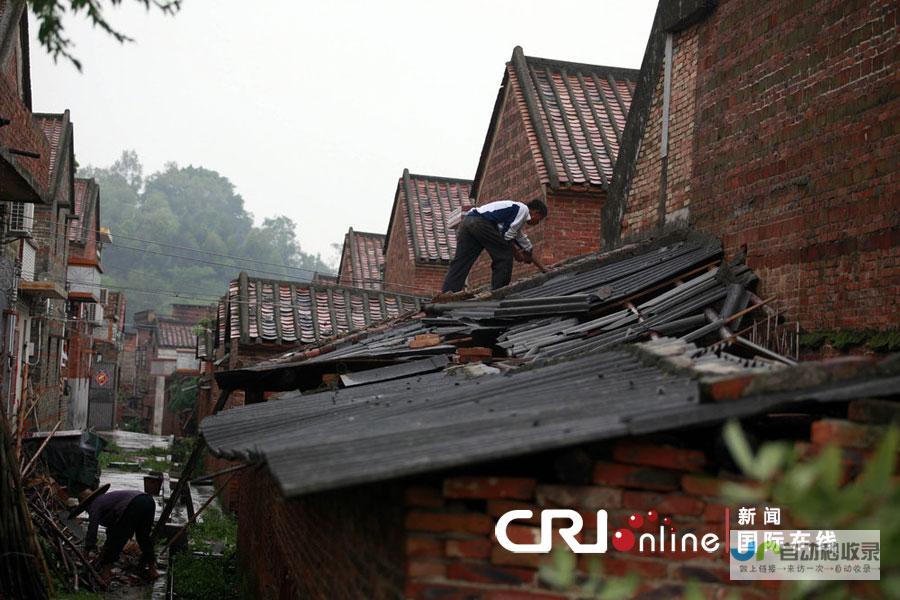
point(286, 312)
point(426, 203)
point(363, 253)
point(85, 193)
point(173, 334)
point(53, 128)
point(575, 114)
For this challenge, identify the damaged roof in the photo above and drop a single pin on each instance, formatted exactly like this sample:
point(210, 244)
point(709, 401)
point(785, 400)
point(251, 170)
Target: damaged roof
point(289, 312)
point(574, 116)
point(363, 256)
point(424, 203)
point(635, 341)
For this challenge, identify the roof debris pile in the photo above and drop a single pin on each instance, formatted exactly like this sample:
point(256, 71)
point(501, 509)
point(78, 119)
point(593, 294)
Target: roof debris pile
point(625, 344)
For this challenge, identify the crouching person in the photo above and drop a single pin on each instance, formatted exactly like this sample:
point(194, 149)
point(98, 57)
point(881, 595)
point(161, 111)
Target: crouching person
point(124, 514)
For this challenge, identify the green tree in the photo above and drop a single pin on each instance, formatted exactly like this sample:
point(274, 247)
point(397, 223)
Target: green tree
point(156, 220)
point(49, 16)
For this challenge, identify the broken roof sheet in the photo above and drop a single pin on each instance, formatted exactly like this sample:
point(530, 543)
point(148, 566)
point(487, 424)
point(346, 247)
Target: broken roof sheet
point(363, 257)
point(288, 312)
point(425, 203)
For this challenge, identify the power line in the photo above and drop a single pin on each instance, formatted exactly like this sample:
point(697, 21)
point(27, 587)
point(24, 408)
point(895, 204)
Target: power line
point(250, 269)
point(45, 226)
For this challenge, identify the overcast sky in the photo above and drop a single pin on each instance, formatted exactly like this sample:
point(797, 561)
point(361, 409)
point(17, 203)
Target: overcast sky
point(313, 109)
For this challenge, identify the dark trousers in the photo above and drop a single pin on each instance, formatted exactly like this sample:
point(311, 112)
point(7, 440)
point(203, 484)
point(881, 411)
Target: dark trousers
point(137, 520)
point(474, 235)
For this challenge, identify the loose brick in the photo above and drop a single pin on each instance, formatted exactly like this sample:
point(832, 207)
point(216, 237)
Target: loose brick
point(587, 497)
point(449, 522)
point(631, 476)
point(470, 548)
point(667, 457)
point(489, 487)
point(488, 573)
point(474, 354)
point(425, 340)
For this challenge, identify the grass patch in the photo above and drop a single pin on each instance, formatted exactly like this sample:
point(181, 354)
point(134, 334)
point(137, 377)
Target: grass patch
point(199, 577)
point(202, 577)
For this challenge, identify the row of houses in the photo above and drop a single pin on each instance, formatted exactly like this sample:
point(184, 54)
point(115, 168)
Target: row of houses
point(61, 330)
point(738, 189)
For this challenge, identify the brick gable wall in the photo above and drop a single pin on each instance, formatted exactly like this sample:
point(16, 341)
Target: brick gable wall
point(784, 139)
point(401, 272)
point(511, 173)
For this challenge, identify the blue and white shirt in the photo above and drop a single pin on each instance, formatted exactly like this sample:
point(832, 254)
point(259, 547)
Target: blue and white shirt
point(510, 217)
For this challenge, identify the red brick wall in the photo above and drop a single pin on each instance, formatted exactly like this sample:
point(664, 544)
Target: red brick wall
point(433, 537)
point(785, 114)
point(642, 214)
point(332, 546)
point(401, 273)
point(452, 551)
point(511, 173)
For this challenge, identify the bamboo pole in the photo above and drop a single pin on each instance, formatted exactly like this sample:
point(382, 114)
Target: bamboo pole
point(39, 450)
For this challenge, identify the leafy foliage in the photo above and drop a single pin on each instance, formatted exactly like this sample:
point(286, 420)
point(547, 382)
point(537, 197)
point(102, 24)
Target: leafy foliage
point(193, 208)
point(813, 493)
point(183, 393)
point(51, 33)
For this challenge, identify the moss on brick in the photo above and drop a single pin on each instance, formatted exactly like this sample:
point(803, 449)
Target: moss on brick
point(843, 340)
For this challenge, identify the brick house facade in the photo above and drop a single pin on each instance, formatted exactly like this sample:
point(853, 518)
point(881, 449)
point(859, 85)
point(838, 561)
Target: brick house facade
point(554, 134)
point(781, 140)
point(362, 260)
point(419, 243)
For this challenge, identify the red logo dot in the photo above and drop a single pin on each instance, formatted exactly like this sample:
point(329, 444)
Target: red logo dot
point(623, 540)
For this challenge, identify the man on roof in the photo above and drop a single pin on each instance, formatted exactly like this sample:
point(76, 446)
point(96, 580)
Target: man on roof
point(497, 227)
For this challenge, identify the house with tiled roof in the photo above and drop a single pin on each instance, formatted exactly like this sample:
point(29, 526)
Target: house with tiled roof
point(554, 134)
point(362, 260)
point(25, 170)
point(165, 353)
point(420, 240)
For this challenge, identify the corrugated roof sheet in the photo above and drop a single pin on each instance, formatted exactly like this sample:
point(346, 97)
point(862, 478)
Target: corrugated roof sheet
point(287, 312)
point(574, 117)
point(423, 423)
point(172, 334)
point(364, 253)
point(426, 203)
